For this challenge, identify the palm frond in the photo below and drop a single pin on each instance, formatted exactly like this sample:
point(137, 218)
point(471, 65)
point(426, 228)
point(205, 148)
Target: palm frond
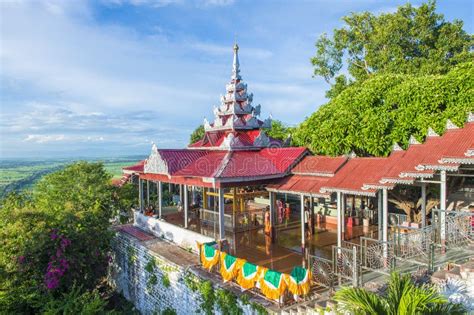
point(360, 301)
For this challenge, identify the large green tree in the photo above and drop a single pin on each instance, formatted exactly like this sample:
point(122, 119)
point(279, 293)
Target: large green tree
point(412, 40)
point(369, 116)
point(55, 238)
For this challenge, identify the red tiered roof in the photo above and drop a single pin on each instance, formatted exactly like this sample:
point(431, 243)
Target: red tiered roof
point(214, 139)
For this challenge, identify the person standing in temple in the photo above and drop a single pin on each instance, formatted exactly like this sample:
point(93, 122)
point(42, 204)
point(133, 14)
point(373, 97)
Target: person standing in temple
point(281, 211)
point(287, 214)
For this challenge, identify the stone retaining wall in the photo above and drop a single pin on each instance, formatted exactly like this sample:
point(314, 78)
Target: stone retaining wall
point(155, 284)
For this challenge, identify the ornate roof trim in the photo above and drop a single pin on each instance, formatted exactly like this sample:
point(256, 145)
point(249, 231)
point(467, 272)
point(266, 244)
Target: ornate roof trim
point(413, 140)
point(437, 167)
point(155, 164)
point(392, 180)
point(450, 125)
point(431, 133)
point(348, 191)
point(458, 160)
point(396, 147)
point(416, 175)
point(470, 117)
point(469, 152)
point(297, 192)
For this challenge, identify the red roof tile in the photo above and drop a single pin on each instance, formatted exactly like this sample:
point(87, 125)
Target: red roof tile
point(300, 184)
point(319, 165)
point(135, 168)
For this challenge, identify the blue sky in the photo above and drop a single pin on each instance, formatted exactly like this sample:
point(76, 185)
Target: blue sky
point(107, 78)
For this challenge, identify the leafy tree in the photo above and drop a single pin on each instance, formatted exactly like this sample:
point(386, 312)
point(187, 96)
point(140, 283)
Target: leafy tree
point(369, 116)
point(413, 40)
point(279, 130)
point(402, 296)
point(56, 237)
point(197, 134)
point(76, 301)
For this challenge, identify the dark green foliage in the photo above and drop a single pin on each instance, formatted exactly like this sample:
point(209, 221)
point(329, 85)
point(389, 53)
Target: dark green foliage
point(75, 302)
point(208, 297)
point(165, 279)
point(368, 117)
point(412, 41)
point(64, 222)
point(227, 302)
point(402, 296)
point(197, 134)
point(169, 311)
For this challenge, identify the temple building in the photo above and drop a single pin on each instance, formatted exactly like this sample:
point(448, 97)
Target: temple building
point(279, 206)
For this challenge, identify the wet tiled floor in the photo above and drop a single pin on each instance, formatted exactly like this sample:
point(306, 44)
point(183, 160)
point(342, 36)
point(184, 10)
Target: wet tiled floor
point(286, 252)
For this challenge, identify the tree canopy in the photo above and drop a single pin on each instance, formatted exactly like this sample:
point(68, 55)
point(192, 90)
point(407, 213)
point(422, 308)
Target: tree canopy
point(197, 134)
point(412, 40)
point(279, 130)
point(56, 238)
point(369, 116)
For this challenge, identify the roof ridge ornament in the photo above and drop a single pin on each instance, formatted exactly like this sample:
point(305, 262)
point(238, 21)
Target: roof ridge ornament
point(431, 133)
point(236, 64)
point(450, 125)
point(352, 154)
point(413, 140)
point(396, 147)
point(470, 117)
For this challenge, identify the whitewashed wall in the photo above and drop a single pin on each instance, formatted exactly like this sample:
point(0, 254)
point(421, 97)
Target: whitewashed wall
point(182, 237)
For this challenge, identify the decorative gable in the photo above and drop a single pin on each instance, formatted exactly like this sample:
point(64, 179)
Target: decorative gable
point(155, 163)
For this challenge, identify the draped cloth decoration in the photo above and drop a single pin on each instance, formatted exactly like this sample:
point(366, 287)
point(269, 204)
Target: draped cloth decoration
point(273, 284)
point(209, 256)
point(248, 275)
point(299, 281)
point(230, 266)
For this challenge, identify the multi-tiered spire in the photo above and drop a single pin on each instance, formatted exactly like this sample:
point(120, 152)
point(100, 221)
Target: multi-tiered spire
point(236, 111)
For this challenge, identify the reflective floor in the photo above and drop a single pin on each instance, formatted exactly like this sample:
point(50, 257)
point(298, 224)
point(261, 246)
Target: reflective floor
point(286, 251)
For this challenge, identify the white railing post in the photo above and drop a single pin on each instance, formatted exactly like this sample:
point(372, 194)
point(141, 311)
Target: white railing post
point(385, 222)
point(423, 204)
point(442, 206)
point(339, 220)
point(379, 214)
point(302, 223)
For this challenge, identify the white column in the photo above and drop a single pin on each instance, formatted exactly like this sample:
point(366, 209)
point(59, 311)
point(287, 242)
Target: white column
point(343, 213)
point(302, 222)
point(442, 206)
point(385, 221)
point(160, 198)
point(311, 213)
point(148, 193)
point(379, 214)
point(140, 194)
point(423, 204)
point(339, 219)
point(221, 214)
point(185, 198)
point(271, 197)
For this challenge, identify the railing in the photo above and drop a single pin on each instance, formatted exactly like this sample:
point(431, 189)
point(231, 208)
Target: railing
point(376, 255)
point(346, 263)
point(322, 271)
